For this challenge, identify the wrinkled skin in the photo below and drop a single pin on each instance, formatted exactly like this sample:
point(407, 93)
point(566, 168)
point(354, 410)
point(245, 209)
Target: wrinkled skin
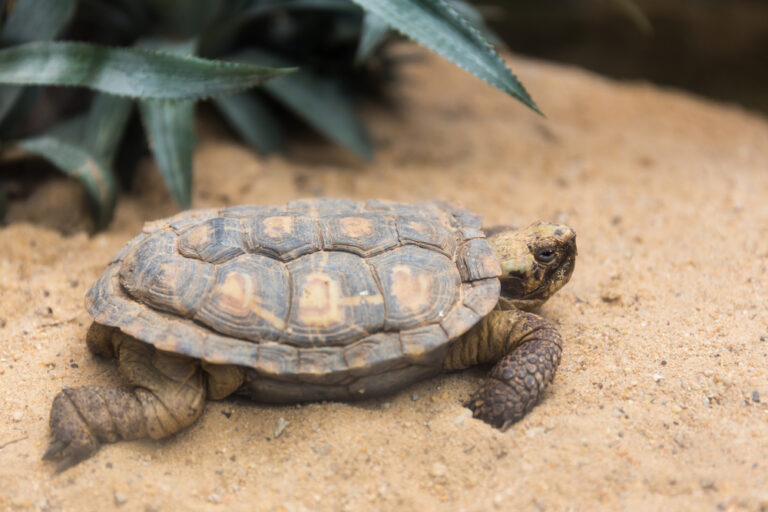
point(166, 392)
point(536, 262)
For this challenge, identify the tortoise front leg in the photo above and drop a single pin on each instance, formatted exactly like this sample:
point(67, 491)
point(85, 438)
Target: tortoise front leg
point(527, 348)
point(167, 393)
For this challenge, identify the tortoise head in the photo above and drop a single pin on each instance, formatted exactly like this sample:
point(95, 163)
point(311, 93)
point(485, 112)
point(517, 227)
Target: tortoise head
point(535, 262)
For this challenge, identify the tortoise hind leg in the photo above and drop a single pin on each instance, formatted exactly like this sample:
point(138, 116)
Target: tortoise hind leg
point(99, 339)
point(167, 393)
point(527, 348)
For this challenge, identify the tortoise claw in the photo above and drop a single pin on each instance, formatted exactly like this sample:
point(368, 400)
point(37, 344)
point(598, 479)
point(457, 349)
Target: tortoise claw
point(499, 404)
point(72, 440)
point(68, 454)
point(54, 448)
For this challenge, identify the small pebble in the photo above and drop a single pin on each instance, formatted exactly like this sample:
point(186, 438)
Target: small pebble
point(17, 416)
point(214, 498)
point(657, 377)
point(415, 397)
point(682, 440)
point(119, 499)
point(461, 418)
point(280, 426)
point(438, 470)
point(756, 396)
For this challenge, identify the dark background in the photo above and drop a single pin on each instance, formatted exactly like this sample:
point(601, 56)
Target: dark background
point(714, 48)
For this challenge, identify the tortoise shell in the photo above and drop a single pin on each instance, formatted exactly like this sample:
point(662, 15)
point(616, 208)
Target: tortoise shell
point(319, 291)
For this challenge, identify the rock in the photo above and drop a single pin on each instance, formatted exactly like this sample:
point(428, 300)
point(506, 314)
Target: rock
point(438, 470)
point(119, 498)
point(280, 425)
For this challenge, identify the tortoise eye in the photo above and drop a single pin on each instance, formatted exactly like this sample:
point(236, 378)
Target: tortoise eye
point(545, 255)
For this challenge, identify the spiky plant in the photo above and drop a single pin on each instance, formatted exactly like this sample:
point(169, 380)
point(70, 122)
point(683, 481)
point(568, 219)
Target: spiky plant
point(165, 55)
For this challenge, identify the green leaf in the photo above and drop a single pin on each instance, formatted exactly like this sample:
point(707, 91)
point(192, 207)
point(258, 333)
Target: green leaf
point(36, 20)
point(171, 134)
point(130, 72)
point(253, 121)
point(14, 120)
point(319, 102)
point(76, 161)
point(31, 20)
point(476, 19)
point(9, 94)
point(439, 27)
point(105, 124)
point(170, 127)
point(68, 130)
point(373, 33)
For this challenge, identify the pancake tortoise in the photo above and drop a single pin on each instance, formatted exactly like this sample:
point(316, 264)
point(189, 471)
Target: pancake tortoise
point(320, 299)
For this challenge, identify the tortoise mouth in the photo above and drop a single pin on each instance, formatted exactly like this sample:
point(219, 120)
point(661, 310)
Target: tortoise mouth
point(511, 288)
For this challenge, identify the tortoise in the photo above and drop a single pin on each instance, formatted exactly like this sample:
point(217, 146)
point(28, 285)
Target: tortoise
point(319, 299)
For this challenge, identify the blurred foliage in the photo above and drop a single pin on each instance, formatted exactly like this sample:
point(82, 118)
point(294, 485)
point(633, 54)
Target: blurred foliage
point(165, 55)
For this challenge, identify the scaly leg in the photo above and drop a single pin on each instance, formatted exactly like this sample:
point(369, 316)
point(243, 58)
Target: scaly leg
point(167, 393)
point(527, 349)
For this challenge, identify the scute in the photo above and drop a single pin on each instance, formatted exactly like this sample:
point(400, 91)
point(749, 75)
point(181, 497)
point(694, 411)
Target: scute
point(249, 299)
point(215, 240)
point(420, 286)
point(363, 234)
point(285, 236)
point(154, 274)
point(318, 299)
point(334, 300)
point(426, 233)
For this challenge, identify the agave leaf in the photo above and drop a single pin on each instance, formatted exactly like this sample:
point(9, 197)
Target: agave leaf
point(9, 94)
point(13, 122)
point(439, 27)
point(130, 72)
point(170, 128)
point(69, 130)
point(470, 12)
point(105, 123)
point(253, 121)
point(76, 161)
point(36, 20)
point(171, 134)
point(316, 100)
point(31, 20)
point(373, 33)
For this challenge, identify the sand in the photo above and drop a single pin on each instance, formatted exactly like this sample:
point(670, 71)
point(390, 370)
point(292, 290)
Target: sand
point(661, 401)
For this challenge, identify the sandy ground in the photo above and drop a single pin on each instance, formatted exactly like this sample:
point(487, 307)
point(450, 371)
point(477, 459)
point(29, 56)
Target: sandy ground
point(661, 401)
